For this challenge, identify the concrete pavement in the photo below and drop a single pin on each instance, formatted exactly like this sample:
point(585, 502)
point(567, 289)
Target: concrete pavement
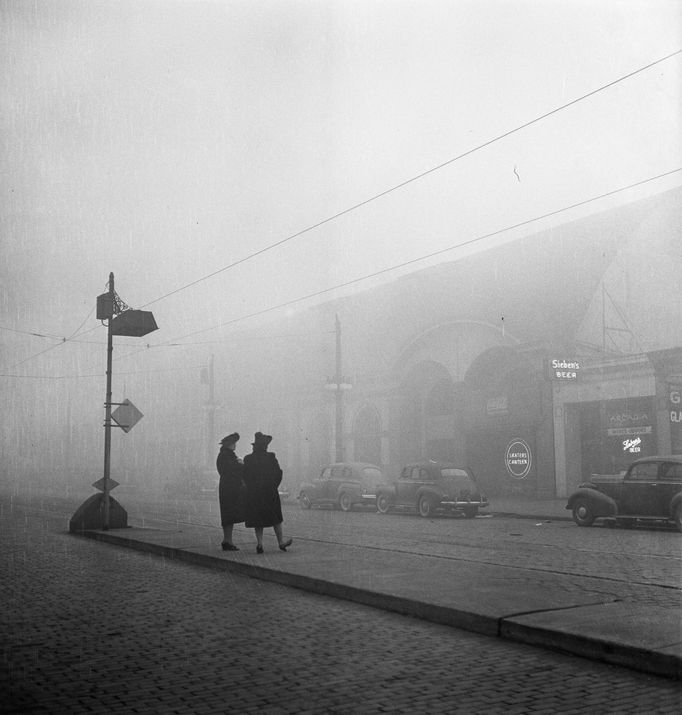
point(575, 614)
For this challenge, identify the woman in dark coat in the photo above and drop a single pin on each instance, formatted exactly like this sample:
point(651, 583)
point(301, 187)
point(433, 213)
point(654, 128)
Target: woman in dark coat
point(230, 489)
point(262, 476)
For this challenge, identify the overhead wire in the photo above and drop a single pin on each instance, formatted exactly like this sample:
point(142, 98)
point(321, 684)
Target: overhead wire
point(424, 257)
point(412, 261)
point(411, 180)
point(375, 197)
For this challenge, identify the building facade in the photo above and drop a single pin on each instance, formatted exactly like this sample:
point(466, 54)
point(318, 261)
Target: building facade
point(537, 362)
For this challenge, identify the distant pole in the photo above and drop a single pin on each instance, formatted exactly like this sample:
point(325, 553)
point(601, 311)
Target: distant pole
point(339, 394)
point(210, 446)
point(107, 413)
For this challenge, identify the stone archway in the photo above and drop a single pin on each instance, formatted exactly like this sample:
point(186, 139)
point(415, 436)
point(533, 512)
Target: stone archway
point(503, 393)
point(442, 438)
point(367, 435)
point(429, 414)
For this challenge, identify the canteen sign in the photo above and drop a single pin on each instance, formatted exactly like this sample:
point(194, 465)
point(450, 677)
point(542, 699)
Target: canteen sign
point(561, 369)
point(518, 459)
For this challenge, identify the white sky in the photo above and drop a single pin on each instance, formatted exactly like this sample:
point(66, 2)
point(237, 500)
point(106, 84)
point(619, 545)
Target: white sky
point(165, 140)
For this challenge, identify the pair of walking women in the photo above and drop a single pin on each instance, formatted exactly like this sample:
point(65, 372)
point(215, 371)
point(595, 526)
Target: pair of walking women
point(248, 491)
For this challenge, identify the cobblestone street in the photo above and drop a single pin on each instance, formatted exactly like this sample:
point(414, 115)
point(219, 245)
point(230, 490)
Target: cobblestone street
point(88, 627)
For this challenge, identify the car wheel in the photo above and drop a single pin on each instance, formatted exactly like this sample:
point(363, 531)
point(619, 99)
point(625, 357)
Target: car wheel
point(305, 501)
point(583, 515)
point(470, 511)
point(677, 516)
point(383, 504)
point(345, 502)
point(425, 507)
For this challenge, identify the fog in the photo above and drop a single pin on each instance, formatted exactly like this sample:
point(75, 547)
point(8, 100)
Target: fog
point(238, 165)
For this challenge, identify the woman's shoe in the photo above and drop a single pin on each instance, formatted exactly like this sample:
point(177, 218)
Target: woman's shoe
point(229, 547)
point(259, 549)
point(286, 544)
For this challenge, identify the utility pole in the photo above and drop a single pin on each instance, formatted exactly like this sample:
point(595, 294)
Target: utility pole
point(95, 512)
point(107, 412)
point(338, 384)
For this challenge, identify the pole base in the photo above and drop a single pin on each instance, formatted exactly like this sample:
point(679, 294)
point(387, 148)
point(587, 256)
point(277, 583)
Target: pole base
point(90, 515)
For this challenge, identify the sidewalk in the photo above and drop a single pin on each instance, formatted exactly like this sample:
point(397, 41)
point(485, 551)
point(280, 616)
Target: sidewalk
point(530, 508)
point(573, 614)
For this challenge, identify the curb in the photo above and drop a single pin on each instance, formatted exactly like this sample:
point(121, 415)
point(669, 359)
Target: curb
point(640, 659)
point(543, 517)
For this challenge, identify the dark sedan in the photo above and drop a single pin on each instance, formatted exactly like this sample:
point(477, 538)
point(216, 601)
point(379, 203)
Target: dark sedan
point(431, 487)
point(342, 486)
point(651, 489)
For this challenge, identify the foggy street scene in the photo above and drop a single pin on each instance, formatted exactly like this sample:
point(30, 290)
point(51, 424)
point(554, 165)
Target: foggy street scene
point(341, 357)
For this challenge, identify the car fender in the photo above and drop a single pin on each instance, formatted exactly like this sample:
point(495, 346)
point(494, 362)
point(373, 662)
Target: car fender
point(387, 490)
point(352, 488)
point(677, 499)
point(430, 492)
point(602, 504)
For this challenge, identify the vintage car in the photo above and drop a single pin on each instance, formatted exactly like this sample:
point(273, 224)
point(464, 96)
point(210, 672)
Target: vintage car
point(342, 486)
point(651, 488)
point(431, 487)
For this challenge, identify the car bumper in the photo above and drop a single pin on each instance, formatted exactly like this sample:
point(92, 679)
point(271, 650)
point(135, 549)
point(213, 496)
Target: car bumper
point(463, 504)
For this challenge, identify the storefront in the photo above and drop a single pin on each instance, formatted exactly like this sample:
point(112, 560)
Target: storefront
point(614, 412)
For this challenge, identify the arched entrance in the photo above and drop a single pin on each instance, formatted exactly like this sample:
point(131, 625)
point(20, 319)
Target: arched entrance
point(367, 435)
point(504, 411)
point(430, 415)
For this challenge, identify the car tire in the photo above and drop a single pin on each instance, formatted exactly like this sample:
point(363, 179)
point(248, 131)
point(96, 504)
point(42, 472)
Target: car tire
point(583, 514)
point(345, 502)
point(425, 507)
point(305, 501)
point(383, 504)
point(677, 516)
point(470, 511)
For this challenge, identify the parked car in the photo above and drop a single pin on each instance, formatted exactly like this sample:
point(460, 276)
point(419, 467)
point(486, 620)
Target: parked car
point(342, 485)
point(651, 488)
point(430, 487)
point(283, 492)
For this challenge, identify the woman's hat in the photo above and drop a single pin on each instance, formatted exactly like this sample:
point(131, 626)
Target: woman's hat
point(230, 439)
point(261, 440)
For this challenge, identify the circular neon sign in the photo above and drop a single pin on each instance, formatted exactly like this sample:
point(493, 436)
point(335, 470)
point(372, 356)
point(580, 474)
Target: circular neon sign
point(518, 459)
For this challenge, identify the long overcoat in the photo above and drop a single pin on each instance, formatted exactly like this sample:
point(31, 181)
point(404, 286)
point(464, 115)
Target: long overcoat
point(262, 476)
point(230, 487)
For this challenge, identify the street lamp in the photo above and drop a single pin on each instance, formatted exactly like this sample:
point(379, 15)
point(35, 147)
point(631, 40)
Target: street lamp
point(94, 513)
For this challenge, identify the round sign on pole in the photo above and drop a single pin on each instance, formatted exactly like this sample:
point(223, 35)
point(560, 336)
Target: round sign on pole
point(518, 459)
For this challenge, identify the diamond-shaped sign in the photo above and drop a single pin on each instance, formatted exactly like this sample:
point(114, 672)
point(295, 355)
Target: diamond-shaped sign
point(99, 484)
point(126, 415)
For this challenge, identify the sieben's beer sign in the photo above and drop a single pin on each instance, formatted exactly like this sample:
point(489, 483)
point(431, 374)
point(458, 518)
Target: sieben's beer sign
point(563, 369)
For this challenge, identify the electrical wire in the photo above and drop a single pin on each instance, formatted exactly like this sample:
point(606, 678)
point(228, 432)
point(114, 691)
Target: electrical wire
point(411, 180)
point(33, 333)
point(379, 195)
point(62, 341)
point(492, 234)
point(412, 261)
